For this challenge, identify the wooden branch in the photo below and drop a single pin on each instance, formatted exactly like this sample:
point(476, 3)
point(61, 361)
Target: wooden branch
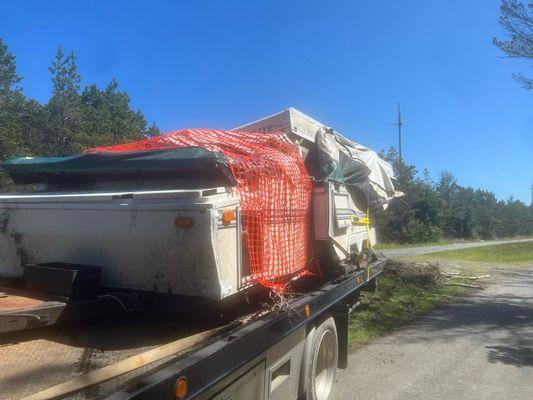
point(463, 285)
point(452, 273)
point(481, 276)
point(468, 277)
point(122, 367)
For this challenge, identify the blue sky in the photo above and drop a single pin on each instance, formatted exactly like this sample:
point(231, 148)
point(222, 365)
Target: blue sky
point(219, 64)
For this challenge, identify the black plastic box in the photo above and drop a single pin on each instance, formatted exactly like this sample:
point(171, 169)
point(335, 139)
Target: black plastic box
point(74, 281)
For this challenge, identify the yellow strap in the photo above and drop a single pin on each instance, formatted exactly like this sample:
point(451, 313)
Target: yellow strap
point(368, 227)
point(363, 221)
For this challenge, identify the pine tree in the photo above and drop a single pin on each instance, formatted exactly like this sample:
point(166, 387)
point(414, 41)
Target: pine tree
point(62, 133)
point(517, 20)
point(64, 71)
point(125, 125)
point(452, 210)
point(108, 117)
point(153, 131)
point(8, 70)
point(15, 113)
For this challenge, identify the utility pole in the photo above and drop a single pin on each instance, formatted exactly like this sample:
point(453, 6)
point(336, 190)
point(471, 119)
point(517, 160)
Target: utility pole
point(400, 123)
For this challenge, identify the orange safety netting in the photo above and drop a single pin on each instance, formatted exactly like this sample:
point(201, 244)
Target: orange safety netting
point(275, 192)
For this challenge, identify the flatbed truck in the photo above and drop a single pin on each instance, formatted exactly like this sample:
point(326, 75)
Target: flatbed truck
point(135, 272)
point(287, 351)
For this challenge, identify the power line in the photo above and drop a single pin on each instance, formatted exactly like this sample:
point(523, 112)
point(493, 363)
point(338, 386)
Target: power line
point(464, 167)
point(298, 54)
point(235, 23)
point(138, 27)
point(322, 99)
point(295, 73)
point(400, 123)
point(454, 148)
point(118, 20)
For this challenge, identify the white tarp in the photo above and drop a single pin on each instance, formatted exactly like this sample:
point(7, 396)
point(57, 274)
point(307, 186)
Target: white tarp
point(381, 174)
point(357, 162)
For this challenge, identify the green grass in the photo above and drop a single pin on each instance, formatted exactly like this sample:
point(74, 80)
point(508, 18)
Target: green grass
point(509, 253)
point(393, 305)
point(388, 246)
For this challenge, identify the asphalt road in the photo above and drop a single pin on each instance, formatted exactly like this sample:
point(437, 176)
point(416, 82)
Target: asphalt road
point(413, 251)
point(480, 347)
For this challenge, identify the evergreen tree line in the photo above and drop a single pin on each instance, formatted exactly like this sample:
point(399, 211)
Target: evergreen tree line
point(430, 211)
point(72, 120)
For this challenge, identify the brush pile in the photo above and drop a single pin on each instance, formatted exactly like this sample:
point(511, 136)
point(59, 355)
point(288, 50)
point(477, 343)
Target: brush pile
point(424, 274)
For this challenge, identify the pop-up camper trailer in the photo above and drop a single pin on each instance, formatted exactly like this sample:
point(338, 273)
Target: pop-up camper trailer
point(197, 212)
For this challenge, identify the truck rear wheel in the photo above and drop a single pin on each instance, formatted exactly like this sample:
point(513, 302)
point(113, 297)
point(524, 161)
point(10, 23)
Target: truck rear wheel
point(323, 362)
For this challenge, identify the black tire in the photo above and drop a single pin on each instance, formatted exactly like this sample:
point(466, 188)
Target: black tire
point(323, 361)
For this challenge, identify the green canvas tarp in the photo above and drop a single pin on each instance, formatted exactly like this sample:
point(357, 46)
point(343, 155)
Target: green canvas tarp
point(188, 162)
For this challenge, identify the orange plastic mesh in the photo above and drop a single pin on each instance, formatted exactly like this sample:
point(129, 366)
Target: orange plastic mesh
point(275, 192)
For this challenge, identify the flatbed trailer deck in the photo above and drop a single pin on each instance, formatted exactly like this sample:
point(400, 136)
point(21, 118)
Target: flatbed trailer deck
point(271, 356)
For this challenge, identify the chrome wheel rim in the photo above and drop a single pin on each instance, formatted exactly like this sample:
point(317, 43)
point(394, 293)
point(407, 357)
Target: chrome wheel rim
point(325, 366)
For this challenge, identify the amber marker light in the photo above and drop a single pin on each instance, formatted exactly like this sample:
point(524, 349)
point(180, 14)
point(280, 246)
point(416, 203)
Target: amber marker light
point(228, 216)
point(181, 388)
point(183, 222)
point(307, 311)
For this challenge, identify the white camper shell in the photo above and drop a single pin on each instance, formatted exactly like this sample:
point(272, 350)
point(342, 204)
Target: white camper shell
point(169, 241)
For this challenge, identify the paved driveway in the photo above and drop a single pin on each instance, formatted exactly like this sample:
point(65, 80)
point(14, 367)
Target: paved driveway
point(480, 347)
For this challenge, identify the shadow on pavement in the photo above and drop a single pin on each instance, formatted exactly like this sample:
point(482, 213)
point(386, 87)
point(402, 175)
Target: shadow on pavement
point(501, 317)
point(518, 356)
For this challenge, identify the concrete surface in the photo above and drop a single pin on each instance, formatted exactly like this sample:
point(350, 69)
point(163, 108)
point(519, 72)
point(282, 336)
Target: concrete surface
point(413, 251)
point(480, 347)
